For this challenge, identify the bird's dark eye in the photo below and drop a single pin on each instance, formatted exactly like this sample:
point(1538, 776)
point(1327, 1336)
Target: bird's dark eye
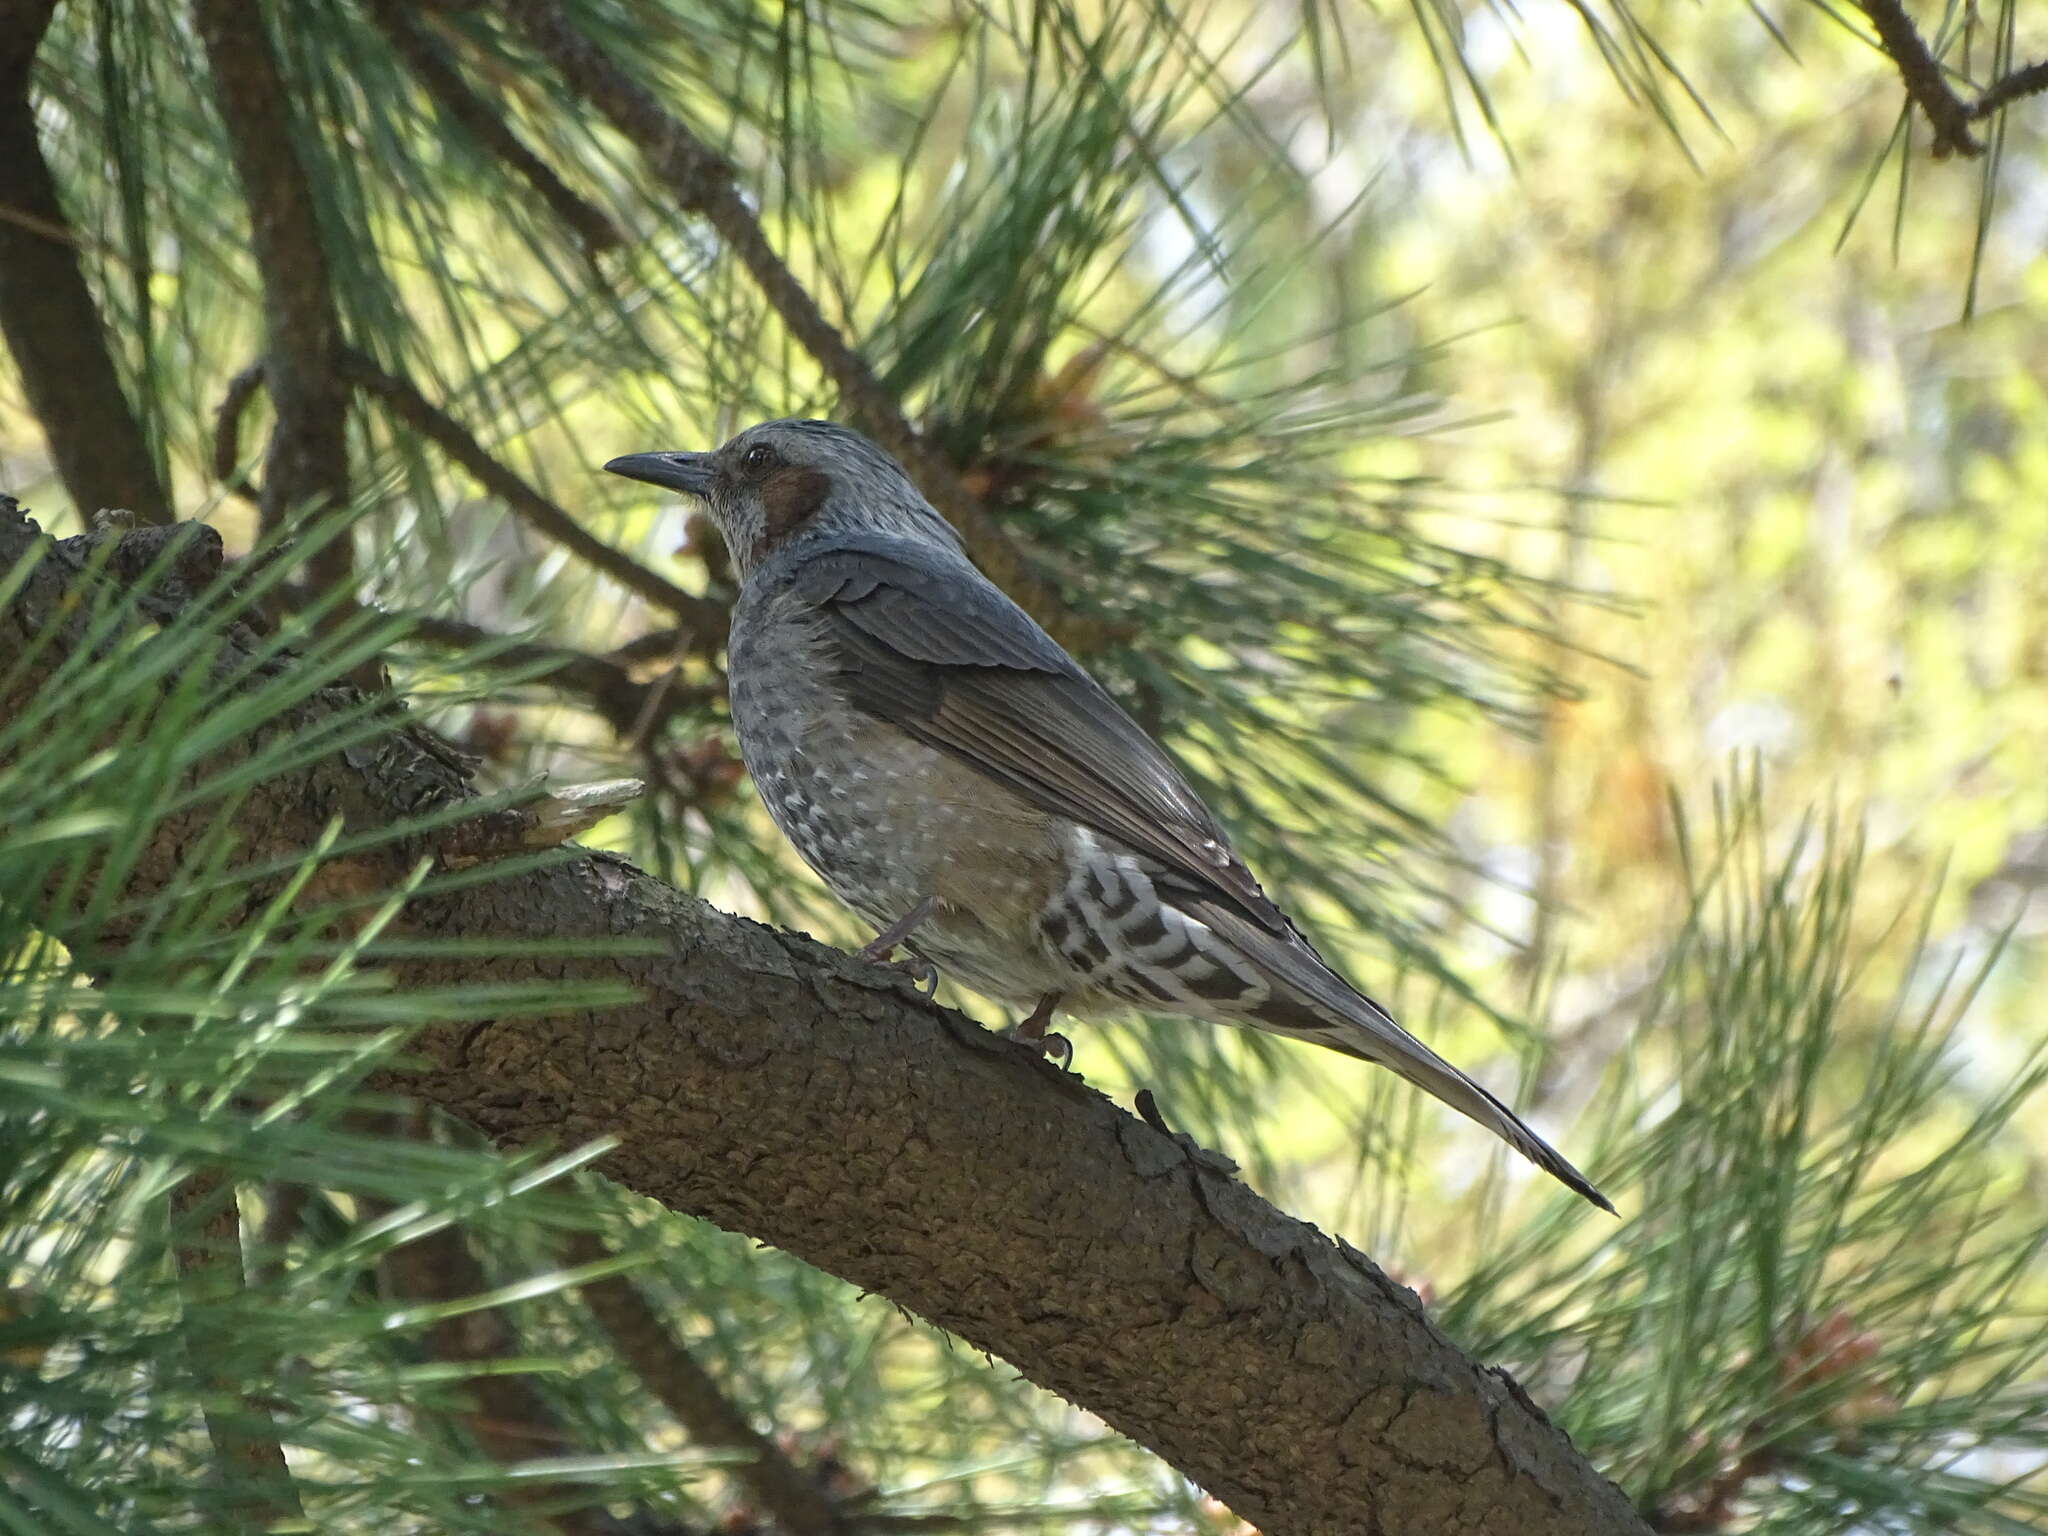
point(757, 458)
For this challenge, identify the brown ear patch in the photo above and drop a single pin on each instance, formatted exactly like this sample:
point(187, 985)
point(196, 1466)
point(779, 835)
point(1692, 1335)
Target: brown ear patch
point(789, 498)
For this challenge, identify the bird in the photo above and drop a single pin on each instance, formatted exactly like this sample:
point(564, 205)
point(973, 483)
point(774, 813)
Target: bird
point(962, 784)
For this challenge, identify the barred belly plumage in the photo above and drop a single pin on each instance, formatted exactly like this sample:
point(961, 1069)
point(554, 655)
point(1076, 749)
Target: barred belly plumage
point(1119, 938)
point(1082, 918)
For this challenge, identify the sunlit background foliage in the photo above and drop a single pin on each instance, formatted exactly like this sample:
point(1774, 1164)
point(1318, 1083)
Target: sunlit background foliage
point(1566, 481)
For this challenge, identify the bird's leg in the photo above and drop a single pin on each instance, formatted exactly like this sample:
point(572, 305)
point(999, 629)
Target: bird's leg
point(881, 944)
point(1032, 1032)
point(876, 950)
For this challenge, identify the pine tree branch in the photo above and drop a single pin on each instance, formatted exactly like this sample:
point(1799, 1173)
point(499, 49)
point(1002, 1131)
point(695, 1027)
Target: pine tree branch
point(1833, 1348)
point(784, 1490)
point(2028, 80)
point(306, 470)
point(655, 645)
point(209, 1256)
point(705, 619)
point(1927, 84)
point(227, 431)
point(396, 19)
point(47, 314)
point(633, 709)
point(791, 1092)
point(702, 181)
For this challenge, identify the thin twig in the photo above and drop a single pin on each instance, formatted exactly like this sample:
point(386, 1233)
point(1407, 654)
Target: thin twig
point(703, 182)
point(706, 620)
point(306, 470)
point(1712, 1507)
point(655, 645)
point(782, 1488)
point(52, 326)
point(1834, 1352)
point(642, 732)
point(628, 705)
point(593, 227)
point(2028, 80)
point(207, 1240)
point(227, 432)
point(1927, 84)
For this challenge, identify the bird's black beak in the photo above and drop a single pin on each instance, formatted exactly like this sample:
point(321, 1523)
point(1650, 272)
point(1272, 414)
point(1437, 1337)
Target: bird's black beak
point(687, 472)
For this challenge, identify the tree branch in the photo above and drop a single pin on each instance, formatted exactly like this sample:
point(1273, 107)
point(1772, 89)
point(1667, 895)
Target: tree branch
point(395, 18)
point(705, 619)
point(47, 314)
point(2028, 80)
point(227, 431)
point(1927, 83)
point(785, 1491)
point(792, 1093)
point(632, 708)
point(306, 470)
point(207, 1233)
point(703, 182)
point(505, 1415)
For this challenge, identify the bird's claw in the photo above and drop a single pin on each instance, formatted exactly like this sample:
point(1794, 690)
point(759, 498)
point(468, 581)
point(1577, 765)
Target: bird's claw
point(1055, 1048)
point(922, 973)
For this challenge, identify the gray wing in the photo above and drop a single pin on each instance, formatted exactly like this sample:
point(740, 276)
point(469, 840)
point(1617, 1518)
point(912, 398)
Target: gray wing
point(935, 649)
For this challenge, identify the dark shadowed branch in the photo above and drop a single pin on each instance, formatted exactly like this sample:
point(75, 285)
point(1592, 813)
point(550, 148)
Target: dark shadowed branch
point(2028, 80)
point(306, 470)
point(209, 1254)
point(792, 1093)
point(633, 709)
point(47, 314)
point(227, 465)
point(783, 1490)
point(505, 1416)
point(422, 55)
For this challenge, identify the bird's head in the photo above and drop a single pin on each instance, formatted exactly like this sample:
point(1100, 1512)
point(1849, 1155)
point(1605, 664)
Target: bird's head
point(785, 481)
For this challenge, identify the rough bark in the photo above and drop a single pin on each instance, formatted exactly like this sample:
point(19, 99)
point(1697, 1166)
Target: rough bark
point(787, 1091)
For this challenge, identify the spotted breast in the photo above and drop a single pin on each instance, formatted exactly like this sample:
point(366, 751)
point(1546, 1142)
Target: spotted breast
point(887, 821)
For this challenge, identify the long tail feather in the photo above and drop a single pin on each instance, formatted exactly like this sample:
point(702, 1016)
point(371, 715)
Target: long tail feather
point(1370, 1033)
point(1312, 1002)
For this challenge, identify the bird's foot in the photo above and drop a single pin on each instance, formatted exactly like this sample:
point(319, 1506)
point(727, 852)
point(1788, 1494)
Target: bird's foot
point(1055, 1048)
point(1032, 1033)
point(922, 973)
